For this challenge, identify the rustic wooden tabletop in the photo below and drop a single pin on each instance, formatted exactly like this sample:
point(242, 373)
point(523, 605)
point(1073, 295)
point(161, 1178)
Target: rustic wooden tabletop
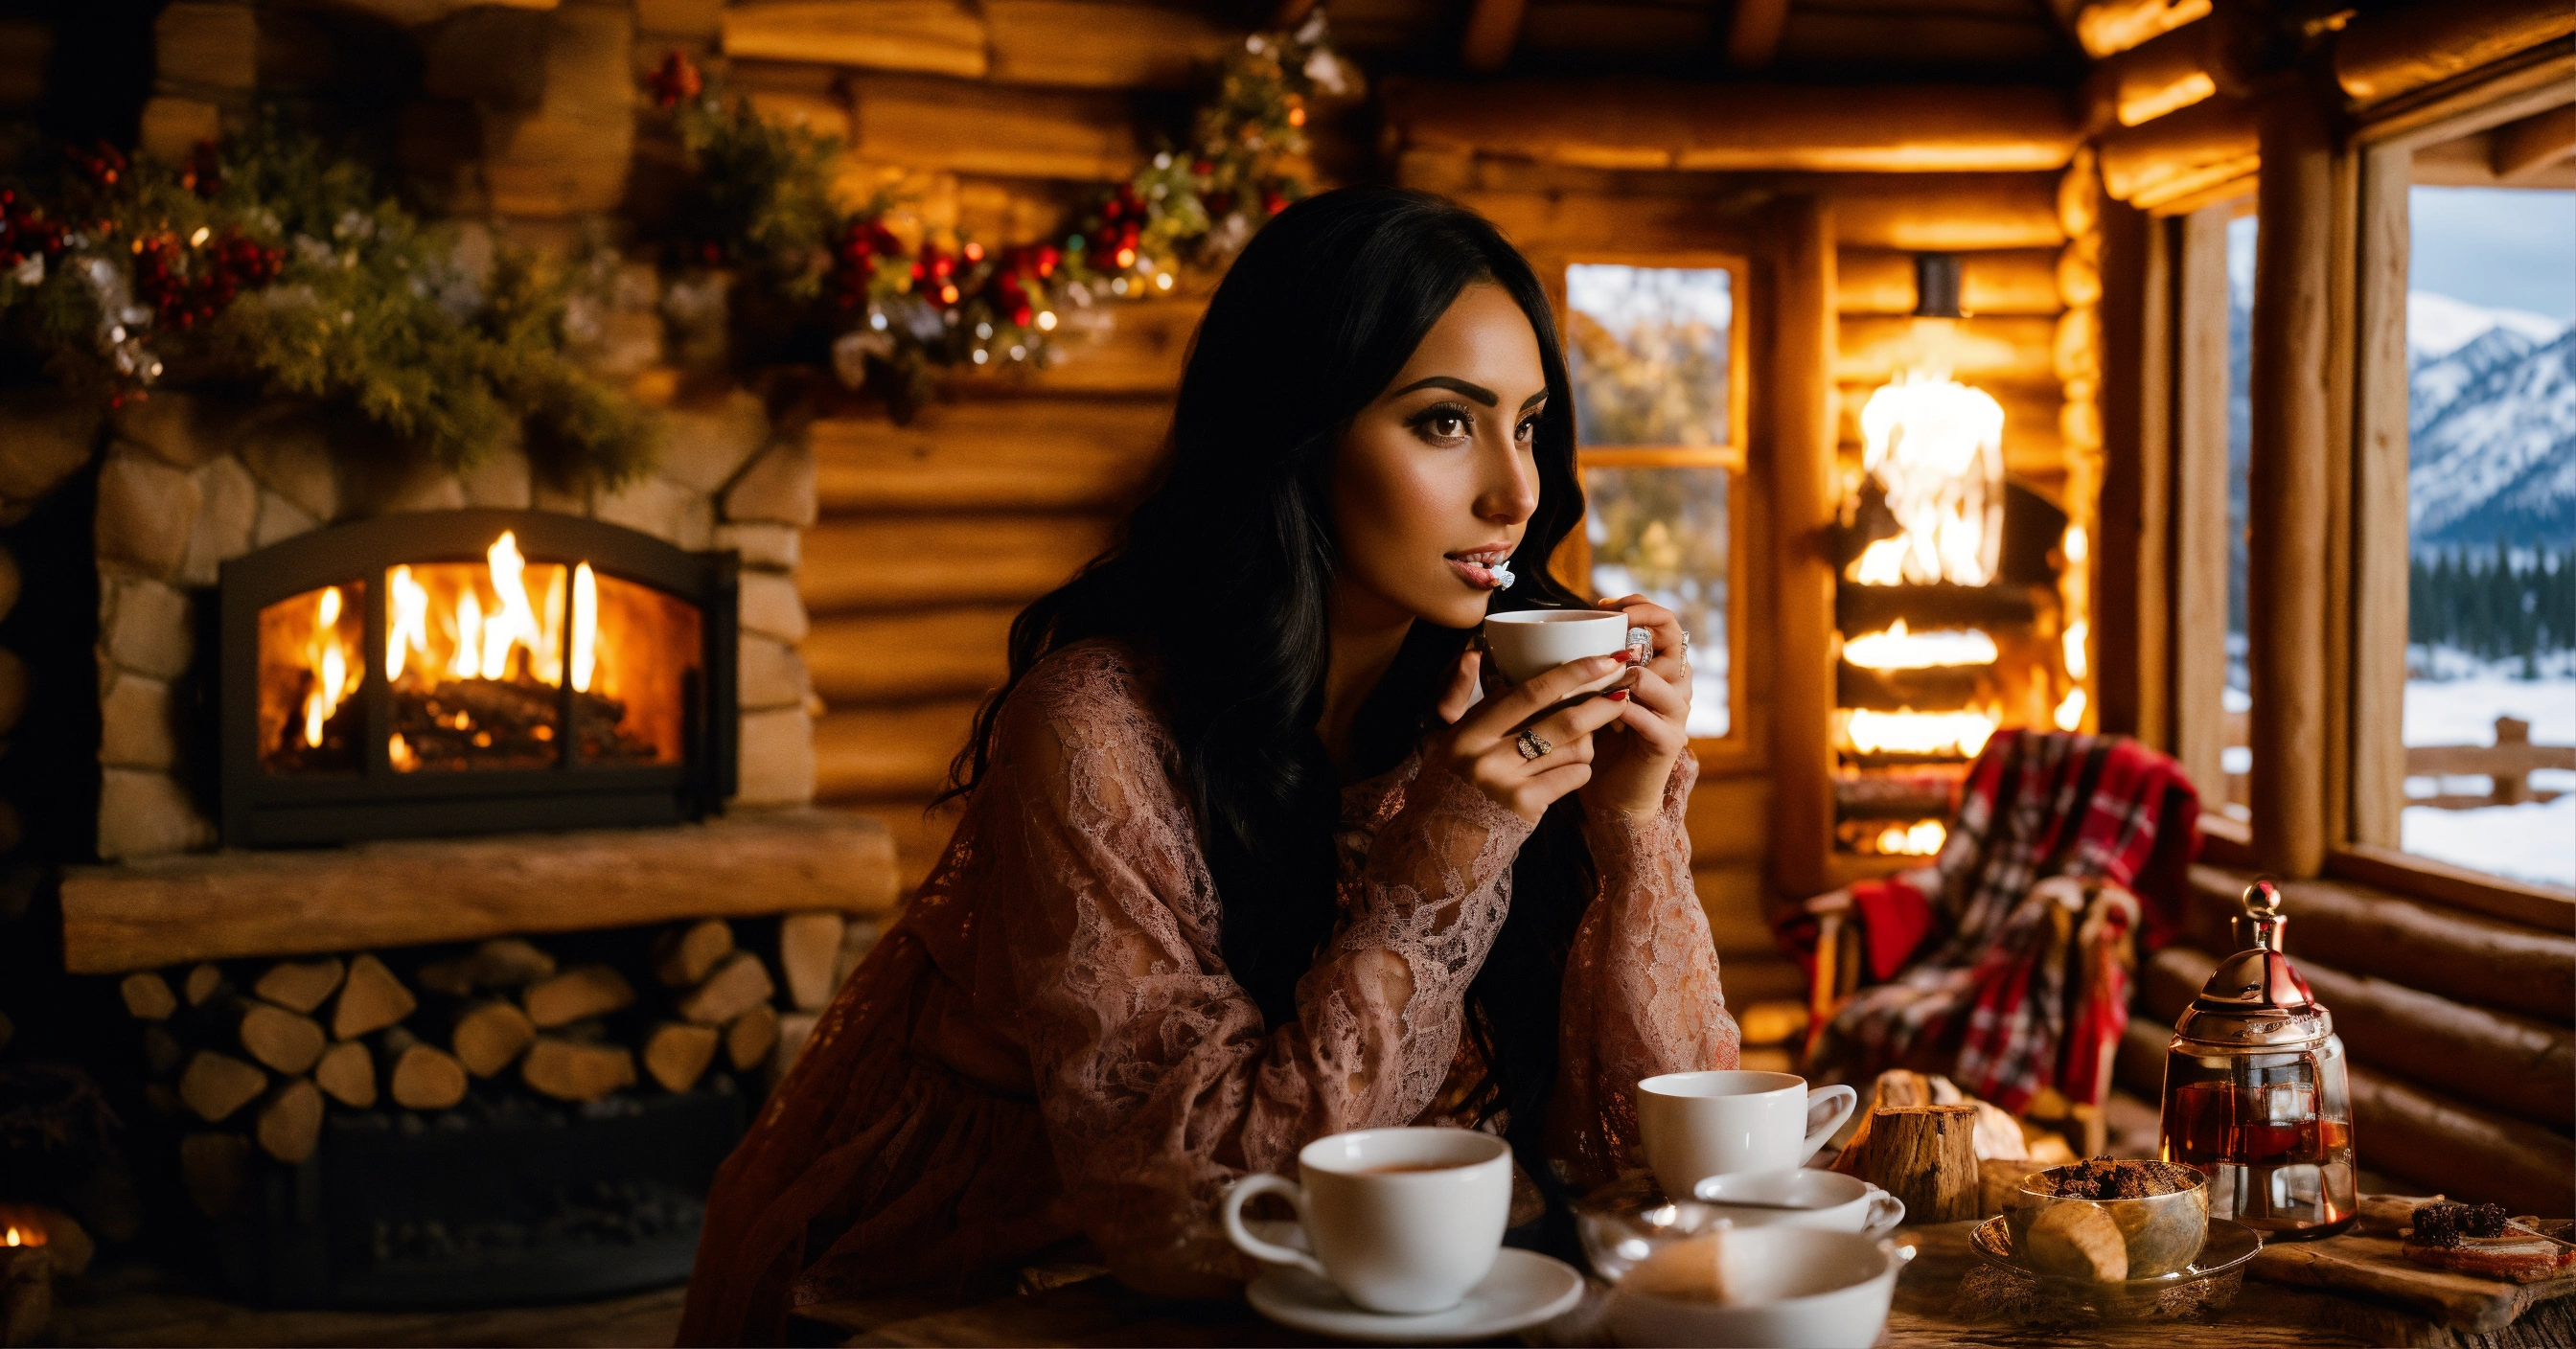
point(1929, 1311)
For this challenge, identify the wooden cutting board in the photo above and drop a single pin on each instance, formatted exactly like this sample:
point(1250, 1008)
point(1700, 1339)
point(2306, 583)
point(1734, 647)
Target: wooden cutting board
point(2370, 1263)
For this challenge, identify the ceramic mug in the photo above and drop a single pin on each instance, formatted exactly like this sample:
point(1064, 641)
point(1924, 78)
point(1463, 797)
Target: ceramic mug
point(1801, 1197)
point(1781, 1287)
point(1528, 643)
point(1401, 1220)
point(1718, 1123)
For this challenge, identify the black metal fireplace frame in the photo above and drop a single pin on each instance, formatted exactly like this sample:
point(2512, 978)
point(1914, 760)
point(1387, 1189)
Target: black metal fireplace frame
point(260, 809)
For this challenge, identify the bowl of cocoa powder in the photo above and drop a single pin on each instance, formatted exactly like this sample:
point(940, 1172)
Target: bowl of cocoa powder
point(2109, 1220)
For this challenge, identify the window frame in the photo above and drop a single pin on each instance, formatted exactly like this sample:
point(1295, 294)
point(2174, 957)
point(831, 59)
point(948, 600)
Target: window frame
point(2373, 789)
point(1740, 748)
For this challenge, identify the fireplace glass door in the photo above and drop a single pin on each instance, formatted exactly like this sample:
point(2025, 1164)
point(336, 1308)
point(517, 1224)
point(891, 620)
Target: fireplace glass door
point(474, 670)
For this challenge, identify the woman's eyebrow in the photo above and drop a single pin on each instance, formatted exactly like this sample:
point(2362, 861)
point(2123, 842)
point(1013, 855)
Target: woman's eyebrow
point(1476, 391)
point(1533, 400)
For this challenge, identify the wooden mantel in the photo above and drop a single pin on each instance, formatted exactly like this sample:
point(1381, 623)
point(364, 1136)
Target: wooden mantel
point(1660, 124)
point(141, 915)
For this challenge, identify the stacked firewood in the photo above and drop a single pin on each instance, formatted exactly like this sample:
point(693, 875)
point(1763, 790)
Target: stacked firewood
point(249, 1057)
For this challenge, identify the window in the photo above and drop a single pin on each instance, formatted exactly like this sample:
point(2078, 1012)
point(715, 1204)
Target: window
point(2236, 698)
point(2490, 695)
point(2212, 385)
point(1654, 354)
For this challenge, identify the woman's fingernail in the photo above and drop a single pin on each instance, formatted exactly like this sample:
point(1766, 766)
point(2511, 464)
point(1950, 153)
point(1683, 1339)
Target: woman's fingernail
point(1616, 695)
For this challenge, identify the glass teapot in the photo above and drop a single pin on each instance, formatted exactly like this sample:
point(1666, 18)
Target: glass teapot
point(2256, 1092)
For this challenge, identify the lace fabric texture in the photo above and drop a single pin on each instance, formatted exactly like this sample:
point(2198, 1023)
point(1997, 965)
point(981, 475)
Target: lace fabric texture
point(1048, 1045)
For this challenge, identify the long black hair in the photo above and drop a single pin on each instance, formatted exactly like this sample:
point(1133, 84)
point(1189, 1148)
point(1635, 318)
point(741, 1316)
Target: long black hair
point(1223, 575)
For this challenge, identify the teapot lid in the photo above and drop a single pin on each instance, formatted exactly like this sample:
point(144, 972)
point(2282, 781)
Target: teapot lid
point(2256, 997)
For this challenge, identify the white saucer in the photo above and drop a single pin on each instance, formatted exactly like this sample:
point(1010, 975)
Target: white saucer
point(1524, 1289)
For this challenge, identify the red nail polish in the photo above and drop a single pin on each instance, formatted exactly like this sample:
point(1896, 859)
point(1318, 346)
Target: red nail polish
point(1616, 695)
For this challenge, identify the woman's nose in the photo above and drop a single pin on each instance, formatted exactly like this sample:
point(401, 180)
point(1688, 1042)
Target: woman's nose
point(1510, 495)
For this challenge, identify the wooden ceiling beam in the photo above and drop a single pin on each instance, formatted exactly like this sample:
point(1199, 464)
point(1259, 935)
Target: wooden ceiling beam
point(2383, 55)
point(2527, 148)
point(2166, 73)
point(2106, 27)
point(1753, 36)
point(1654, 124)
point(1493, 29)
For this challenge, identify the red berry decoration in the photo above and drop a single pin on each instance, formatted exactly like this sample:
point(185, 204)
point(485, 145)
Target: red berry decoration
point(677, 81)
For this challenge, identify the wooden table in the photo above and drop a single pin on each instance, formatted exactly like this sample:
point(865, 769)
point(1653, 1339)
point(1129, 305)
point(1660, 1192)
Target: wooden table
point(1095, 1310)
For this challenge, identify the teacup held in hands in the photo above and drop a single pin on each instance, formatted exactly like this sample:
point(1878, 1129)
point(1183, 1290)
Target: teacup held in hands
point(1528, 643)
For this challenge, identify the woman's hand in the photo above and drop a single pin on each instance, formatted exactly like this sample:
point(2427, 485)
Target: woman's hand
point(1485, 745)
point(1654, 717)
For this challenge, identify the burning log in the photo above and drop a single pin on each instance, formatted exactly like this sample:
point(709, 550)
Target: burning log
point(677, 1054)
point(370, 1000)
point(148, 996)
point(347, 1074)
point(464, 724)
point(682, 957)
point(809, 949)
point(289, 1122)
point(577, 994)
point(489, 1036)
point(297, 985)
point(421, 1076)
point(217, 1084)
point(571, 1071)
point(751, 1036)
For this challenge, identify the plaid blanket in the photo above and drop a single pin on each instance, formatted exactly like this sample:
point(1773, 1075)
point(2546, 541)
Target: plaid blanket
point(1988, 954)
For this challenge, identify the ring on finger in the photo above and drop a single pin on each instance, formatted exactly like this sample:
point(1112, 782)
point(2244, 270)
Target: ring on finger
point(1532, 745)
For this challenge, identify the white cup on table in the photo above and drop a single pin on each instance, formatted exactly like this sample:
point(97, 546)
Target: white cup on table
point(1716, 1123)
point(1404, 1221)
point(1801, 1197)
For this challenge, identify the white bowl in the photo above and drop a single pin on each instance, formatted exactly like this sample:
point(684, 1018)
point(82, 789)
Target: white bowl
point(1784, 1286)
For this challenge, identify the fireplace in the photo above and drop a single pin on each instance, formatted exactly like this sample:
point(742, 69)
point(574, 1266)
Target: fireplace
point(1948, 605)
point(473, 671)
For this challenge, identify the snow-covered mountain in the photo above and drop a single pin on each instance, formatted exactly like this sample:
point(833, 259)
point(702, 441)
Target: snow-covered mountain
point(2491, 418)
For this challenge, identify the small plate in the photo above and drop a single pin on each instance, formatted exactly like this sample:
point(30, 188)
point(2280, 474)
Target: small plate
point(1524, 1289)
point(2207, 1284)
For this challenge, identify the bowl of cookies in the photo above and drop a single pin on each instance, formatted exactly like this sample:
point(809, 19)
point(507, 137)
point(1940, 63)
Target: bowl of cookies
point(2109, 1220)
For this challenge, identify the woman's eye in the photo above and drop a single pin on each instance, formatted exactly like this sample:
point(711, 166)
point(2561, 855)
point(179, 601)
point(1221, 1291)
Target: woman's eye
point(1527, 429)
point(1444, 424)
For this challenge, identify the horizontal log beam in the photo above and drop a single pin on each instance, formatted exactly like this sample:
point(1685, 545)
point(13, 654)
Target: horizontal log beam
point(405, 893)
point(1091, 45)
point(1948, 212)
point(2379, 56)
point(2523, 149)
point(2503, 1060)
point(2108, 26)
point(1993, 281)
point(2465, 957)
point(876, 753)
point(1924, 43)
point(2164, 74)
point(1140, 353)
point(1045, 454)
point(894, 562)
point(940, 37)
point(2470, 161)
point(946, 652)
point(2174, 154)
point(962, 127)
point(1648, 124)
point(1875, 350)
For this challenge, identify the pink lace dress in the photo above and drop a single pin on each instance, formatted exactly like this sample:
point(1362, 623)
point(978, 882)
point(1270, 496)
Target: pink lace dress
point(1046, 1045)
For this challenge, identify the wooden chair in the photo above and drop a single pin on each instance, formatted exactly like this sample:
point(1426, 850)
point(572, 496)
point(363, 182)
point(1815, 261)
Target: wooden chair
point(2084, 914)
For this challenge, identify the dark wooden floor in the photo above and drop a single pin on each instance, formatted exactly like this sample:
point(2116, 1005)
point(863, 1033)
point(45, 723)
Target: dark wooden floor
point(136, 1305)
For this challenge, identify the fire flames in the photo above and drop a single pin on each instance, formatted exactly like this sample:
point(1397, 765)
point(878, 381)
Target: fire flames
point(477, 656)
point(1920, 840)
point(1936, 447)
point(1897, 649)
point(1960, 734)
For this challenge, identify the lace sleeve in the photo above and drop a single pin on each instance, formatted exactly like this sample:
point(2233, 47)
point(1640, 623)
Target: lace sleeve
point(1158, 1081)
point(1641, 985)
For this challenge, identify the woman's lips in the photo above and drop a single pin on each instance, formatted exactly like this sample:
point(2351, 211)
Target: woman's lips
point(1481, 575)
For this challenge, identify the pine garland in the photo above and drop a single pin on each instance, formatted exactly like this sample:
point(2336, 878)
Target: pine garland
point(270, 262)
point(901, 308)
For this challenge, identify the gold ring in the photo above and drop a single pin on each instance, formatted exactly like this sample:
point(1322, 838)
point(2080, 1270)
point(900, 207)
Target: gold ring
point(1532, 745)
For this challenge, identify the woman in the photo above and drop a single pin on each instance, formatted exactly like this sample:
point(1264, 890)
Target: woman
point(1244, 861)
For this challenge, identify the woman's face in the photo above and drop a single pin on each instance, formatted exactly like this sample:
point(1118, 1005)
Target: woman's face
point(1435, 478)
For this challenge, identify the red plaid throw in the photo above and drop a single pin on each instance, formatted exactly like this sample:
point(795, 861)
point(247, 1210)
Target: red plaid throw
point(1993, 962)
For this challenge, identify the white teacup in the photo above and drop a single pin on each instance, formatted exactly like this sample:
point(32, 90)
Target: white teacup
point(1528, 643)
point(1718, 1123)
point(1401, 1220)
point(1785, 1287)
point(1801, 1197)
